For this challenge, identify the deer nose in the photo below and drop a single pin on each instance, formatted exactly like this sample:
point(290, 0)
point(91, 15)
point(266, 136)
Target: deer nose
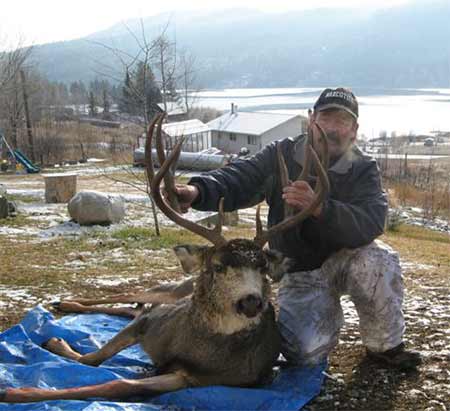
point(251, 305)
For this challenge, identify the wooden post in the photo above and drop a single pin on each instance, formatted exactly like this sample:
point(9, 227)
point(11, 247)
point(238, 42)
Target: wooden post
point(60, 188)
point(231, 218)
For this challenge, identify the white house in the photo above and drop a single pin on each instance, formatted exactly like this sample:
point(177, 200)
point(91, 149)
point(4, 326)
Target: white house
point(253, 130)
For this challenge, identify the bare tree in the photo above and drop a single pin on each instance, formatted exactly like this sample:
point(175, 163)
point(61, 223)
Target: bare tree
point(11, 99)
point(135, 91)
point(187, 79)
point(154, 63)
point(166, 64)
point(27, 114)
point(11, 62)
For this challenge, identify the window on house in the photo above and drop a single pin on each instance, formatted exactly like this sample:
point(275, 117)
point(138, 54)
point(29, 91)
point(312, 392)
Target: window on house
point(232, 137)
point(252, 140)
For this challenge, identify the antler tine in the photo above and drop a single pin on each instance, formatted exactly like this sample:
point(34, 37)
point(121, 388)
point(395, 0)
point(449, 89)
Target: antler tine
point(148, 149)
point(263, 235)
point(325, 158)
point(169, 181)
point(321, 171)
point(218, 227)
point(284, 178)
point(259, 227)
point(284, 175)
point(307, 164)
point(214, 235)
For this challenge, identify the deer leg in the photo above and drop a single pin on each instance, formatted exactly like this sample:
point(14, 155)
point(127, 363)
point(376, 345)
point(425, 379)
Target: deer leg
point(122, 340)
point(178, 291)
point(160, 294)
point(113, 299)
point(75, 307)
point(111, 390)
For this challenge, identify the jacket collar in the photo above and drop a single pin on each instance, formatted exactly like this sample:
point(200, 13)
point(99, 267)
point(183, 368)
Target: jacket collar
point(341, 166)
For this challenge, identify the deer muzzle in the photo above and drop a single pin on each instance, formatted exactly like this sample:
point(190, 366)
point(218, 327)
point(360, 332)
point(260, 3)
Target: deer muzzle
point(251, 305)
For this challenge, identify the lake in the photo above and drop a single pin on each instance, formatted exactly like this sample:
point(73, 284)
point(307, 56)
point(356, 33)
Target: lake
point(402, 111)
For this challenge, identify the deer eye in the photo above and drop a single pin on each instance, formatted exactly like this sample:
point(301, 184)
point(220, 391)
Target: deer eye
point(219, 268)
point(264, 269)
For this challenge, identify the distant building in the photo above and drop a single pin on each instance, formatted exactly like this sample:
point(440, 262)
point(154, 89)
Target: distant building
point(175, 110)
point(253, 130)
point(196, 135)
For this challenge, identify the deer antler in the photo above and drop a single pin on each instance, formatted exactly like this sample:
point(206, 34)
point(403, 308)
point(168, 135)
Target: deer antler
point(213, 235)
point(321, 189)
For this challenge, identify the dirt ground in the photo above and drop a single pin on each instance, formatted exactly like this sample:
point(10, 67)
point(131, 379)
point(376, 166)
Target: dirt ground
point(44, 257)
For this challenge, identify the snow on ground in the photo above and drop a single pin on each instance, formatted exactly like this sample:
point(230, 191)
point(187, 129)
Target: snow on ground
point(110, 282)
point(411, 266)
point(29, 192)
point(18, 232)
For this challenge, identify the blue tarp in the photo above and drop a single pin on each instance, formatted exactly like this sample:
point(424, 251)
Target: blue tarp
point(24, 363)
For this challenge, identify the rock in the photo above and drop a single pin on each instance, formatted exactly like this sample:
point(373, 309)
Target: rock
point(12, 208)
point(88, 208)
point(4, 207)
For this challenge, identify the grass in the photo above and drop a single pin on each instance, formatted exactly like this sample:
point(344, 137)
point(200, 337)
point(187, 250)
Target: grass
point(23, 198)
point(15, 222)
point(147, 238)
point(431, 193)
point(420, 233)
point(422, 246)
point(72, 266)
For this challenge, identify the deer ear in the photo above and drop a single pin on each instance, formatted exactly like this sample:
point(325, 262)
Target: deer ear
point(192, 257)
point(278, 264)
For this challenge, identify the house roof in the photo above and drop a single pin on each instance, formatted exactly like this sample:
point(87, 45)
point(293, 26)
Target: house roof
point(184, 128)
point(173, 108)
point(255, 122)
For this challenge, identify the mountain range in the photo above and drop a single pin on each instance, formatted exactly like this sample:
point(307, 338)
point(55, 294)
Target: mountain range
point(403, 46)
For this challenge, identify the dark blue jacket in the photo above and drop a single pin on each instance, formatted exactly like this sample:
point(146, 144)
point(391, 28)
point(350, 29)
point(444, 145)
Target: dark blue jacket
point(353, 214)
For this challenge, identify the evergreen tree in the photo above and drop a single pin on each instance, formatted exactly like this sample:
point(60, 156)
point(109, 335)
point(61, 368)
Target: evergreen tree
point(149, 94)
point(92, 104)
point(140, 91)
point(127, 102)
point(105, 100)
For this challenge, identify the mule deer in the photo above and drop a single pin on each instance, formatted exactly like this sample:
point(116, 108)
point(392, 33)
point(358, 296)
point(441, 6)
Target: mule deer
point(224, 334)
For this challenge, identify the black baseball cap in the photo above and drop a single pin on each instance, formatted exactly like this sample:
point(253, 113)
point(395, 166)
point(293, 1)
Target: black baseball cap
point(341, 98)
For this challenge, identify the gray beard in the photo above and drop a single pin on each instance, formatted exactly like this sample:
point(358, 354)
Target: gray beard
point(333, 137)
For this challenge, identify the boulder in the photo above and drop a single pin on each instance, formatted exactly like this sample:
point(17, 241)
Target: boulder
point(88, 208)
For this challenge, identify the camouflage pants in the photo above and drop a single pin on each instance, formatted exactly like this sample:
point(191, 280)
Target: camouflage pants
point(310, 312)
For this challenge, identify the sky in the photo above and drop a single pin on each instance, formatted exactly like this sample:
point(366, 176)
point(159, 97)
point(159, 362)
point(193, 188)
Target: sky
point(45, 21)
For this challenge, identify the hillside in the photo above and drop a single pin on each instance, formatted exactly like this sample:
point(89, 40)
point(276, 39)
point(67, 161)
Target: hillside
point(405, 46)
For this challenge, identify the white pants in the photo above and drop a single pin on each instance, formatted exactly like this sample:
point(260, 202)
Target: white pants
point(311, 316)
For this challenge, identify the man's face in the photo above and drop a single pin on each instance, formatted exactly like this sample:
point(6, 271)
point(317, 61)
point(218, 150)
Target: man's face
point(341, 129)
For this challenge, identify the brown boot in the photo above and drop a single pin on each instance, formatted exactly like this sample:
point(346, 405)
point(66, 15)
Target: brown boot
point(397, 357)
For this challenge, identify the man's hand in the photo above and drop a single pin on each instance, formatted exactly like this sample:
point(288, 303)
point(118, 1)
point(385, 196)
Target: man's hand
point(186, 195)
point(300, 195)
